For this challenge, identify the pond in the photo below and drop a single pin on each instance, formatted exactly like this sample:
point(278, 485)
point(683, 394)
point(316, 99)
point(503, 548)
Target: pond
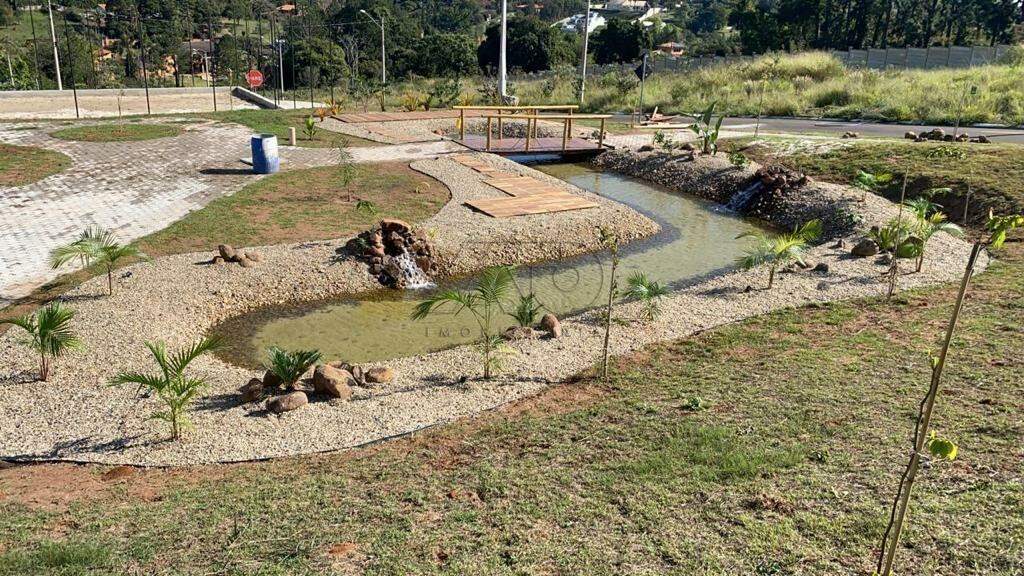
point(697, 238)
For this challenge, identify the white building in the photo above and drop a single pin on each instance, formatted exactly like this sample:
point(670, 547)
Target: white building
point(574, 23)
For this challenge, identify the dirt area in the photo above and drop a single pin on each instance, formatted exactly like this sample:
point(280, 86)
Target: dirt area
point(31, 105)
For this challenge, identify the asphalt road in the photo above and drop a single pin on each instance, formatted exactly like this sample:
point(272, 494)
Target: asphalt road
point(838, 127)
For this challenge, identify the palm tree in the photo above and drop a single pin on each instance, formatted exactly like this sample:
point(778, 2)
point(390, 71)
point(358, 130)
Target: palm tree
point(86, 248)
point(50, 329)
point(930, 221)
point(646, 291)
point(483, 301)
point(290, 366)
point(99, 246)
point(779, 250)
point(114, 253)
point(171, 385)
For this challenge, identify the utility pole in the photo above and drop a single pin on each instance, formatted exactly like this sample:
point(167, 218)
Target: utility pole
point(145, 73)
point(502, 63)
point(35, 45)
point(383, 57)
point(74, 87)
point(53, 39)
point(586, 39)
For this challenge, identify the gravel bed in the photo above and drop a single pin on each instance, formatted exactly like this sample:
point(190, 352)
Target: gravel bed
point(77, 417)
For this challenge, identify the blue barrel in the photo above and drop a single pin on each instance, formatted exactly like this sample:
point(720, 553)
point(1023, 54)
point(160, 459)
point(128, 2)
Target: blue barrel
point(264, 154)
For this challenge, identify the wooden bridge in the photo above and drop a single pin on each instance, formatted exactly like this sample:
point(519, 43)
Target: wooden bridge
point(496, 143)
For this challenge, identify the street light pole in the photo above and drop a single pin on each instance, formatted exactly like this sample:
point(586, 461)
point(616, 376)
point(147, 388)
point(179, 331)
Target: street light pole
point(383, 56)
point(586, 39)
point(502, 62)
point(53, 38)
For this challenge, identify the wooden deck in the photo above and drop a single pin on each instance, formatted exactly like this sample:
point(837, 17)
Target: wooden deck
point(526, 195)
point(517, 146)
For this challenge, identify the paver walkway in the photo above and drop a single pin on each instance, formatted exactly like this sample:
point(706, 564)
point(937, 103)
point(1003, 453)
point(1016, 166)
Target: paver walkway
point(135, 188)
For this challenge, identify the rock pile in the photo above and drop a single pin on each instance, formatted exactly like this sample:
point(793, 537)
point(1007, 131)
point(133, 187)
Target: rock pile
point(776, 183)
point(390, 249)
point(226, 254)
point(336, 380)
point(938, 134)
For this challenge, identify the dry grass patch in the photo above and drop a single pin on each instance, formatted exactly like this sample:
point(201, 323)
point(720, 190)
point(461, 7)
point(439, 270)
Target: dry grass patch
point(20, 165)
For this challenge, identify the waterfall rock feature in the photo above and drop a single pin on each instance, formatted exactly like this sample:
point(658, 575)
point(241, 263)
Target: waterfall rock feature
point(396, 255)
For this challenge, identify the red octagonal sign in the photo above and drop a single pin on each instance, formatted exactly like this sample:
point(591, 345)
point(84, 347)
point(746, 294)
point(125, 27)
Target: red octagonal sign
point(254, 78)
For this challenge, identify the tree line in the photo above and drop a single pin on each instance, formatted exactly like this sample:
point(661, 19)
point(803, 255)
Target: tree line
point(327, 42)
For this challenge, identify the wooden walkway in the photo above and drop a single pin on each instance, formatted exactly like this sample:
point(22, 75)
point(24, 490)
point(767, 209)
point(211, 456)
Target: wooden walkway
point(517, 146)
point(527, 195)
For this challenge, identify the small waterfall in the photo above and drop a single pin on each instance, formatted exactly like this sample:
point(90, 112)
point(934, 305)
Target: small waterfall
point(740, 200)
point(412, 277)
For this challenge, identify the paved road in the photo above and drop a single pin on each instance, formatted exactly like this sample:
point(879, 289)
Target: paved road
point(838, 127)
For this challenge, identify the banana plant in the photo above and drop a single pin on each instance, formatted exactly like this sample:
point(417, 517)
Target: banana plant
point(707, 128)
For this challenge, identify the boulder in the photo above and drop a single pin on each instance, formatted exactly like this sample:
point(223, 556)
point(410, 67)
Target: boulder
point(333, 381)
point(245, 262)
point(254, 256)
point(550, 324)
point(227, 252)
point(252, 391)
point(287, 402)
point(388, 225)
point(218, 260)
point(821, 267)
point(520, 333)
point(805, 264)
point(270, 380)
point(982, 139)
point(380, 375)
point(963, 137)
point(864, 248)
point(910, 135)
point(646, 148)
point(936, 134)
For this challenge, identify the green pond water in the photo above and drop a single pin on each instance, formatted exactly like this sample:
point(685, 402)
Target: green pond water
point(697, 238)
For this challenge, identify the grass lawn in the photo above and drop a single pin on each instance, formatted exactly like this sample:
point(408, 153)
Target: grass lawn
point(277, 122)
point(787, 469)
point(127, 132)
point(994, 172)
point(20, 165)
point(300, 205)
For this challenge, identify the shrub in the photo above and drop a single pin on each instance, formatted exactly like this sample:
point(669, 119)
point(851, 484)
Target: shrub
point(527, 310)
point(290, 366)
point(832, 97)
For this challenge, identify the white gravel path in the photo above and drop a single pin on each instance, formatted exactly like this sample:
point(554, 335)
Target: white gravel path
point(77, 417)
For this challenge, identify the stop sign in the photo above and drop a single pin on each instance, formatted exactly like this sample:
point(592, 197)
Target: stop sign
point(254, 78)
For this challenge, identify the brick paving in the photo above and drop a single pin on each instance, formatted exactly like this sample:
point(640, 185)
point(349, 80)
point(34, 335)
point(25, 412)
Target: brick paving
point(134, 188)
